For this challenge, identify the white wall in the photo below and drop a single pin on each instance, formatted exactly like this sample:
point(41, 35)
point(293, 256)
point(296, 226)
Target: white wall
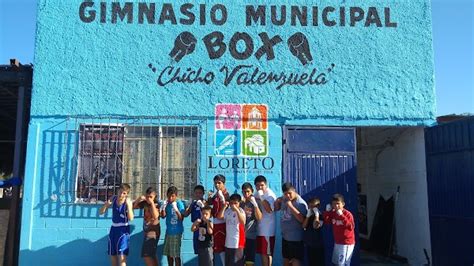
point(394, 156)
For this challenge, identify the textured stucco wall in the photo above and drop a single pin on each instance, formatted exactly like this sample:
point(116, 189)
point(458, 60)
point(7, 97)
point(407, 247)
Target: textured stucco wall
point(53, 224)
point(381, 76)
point(381, 73)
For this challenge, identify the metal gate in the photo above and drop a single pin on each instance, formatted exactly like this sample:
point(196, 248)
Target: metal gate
point(450, 178)
point(320, 162)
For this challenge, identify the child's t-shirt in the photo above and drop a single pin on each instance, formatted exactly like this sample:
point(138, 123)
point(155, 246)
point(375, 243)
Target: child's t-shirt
point(119, 213)
point(174, 226)
point(204, 238)
point(217, 205)
point(342, 226)
point(250, 219)
point(266, 226)
point(291, 229)
point(234, 230)
point(195, 211)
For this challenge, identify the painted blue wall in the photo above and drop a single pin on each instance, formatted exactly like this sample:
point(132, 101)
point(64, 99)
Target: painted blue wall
point(380, 73)
point(378, 76)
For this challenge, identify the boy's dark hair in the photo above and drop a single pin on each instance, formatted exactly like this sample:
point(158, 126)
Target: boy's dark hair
point(172, 190)
point(199, 187)
point(259, 178)
point(206, 208)
point(219, 177)
point(125, 187)
point(235, 197)
point(150, 190)
point(247, 185)
point(338, 197)
point(287, 186)
point(315, 201)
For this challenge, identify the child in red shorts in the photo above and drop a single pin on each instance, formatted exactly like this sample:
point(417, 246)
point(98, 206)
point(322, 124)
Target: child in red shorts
point(218, 201)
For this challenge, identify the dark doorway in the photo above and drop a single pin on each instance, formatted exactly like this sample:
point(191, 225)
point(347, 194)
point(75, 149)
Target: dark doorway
point(15, 98)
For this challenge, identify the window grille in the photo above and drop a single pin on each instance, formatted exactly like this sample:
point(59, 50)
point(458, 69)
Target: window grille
point(141, 152)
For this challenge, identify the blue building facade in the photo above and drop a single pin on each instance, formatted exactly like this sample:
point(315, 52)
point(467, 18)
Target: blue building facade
point(121, 87)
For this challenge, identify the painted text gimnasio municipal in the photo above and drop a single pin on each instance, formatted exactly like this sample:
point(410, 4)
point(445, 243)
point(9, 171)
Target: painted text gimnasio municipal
point(217, 14)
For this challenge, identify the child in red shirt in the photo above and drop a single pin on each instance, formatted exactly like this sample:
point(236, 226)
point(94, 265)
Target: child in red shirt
point(343, 230)
point(218, 202)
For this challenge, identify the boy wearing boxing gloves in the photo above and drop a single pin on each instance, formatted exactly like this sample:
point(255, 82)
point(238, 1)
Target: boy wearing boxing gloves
point(313, 236)
point(194, 209)
point(173, 212)
point(266, 226)
point(343, 230)
point(218, 202)
point(253, 215)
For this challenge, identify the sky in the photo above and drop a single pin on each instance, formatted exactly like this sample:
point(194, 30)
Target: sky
point(453, 41)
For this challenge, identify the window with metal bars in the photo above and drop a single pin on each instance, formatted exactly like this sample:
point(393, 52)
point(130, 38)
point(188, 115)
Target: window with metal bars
point(140, 155)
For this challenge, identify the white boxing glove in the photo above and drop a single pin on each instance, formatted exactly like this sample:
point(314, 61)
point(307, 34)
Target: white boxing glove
point(339, 212)
point(163, 205)
point(175, 206)
point(316, 212)
point(309, 213)
point(253, 201)
point(328, 207)
point(221, 196)
point(200, 204)
point(260, 195)
point(211, 195)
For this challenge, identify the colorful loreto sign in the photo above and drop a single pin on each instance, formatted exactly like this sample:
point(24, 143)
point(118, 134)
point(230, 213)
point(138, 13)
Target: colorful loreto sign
point(241, 130)
point(241, 141)
point(261, 46)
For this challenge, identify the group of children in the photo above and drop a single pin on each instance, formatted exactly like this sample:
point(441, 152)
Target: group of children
point(231, 227)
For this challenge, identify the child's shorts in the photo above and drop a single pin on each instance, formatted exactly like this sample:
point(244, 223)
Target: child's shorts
point(172, 246)
point(119, 239)
point(292, 250)
point(205, 256)
point(149, 247)
point(342, 254)
point(234, 256)
point(249, 250)
point(219, 238)
point(195, 242)
point(265, 245)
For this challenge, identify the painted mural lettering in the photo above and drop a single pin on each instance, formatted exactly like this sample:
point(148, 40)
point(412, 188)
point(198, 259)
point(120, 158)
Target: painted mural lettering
point(216, 46)
point(170, 75)
point(152, 13)
point(241, 75)
point(243, 163)
point(311, 16)
point(248, 74)
point(217, 14)
point(240, 45)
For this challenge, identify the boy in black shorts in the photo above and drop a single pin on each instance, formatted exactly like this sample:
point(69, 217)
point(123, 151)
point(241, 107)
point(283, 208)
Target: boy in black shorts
point(293, 212)
point(253, 215)
point(204, 228)
point(151, 225)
